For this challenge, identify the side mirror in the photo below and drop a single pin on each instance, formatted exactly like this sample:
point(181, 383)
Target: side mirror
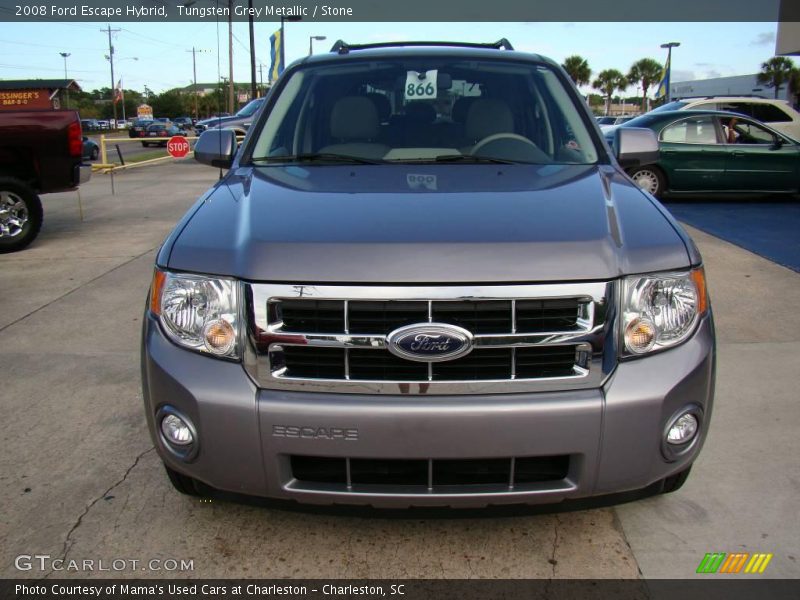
point(777, 142)
point(635, 146)
point(216, 147)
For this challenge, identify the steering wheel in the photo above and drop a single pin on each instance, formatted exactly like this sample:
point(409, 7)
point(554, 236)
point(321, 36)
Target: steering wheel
point(512, 147)
point(501, 136)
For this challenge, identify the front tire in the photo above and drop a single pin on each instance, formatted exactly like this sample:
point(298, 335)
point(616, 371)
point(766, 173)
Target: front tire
point(20, 215)
point(95, 153)
point(649, 178)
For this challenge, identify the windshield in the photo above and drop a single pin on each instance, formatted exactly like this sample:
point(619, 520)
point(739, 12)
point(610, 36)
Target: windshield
point(675, 105)
point(250, 108)
point(425, 110)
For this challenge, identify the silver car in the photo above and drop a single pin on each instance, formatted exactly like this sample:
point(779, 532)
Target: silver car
point(426, 281)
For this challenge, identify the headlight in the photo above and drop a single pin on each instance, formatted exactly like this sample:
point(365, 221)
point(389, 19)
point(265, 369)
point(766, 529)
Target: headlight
point(661, 310)
point(198, 312)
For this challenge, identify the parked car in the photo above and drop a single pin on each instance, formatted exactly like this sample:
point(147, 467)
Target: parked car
point(240, 122)
point(138, 127)
point(91, 150)
point(715, 151)
point(103, 124)
point(90, 125)
point(777, 114)
point(40, 152)
point(468, 309)
point(183, 122)
point(160, 129)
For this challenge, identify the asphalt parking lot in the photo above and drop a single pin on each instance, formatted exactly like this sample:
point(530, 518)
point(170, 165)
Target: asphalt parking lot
point(80, 478)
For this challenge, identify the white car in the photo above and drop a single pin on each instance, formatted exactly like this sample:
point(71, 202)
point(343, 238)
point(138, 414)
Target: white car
point(775, 113)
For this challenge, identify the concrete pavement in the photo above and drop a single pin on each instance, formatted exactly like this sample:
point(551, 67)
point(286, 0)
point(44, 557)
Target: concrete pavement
point(80, 479)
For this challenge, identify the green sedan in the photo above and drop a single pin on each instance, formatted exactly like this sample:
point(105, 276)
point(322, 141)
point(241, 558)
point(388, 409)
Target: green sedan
point(714, 151)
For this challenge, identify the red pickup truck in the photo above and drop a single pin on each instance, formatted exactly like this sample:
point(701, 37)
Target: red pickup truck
point(40, 152)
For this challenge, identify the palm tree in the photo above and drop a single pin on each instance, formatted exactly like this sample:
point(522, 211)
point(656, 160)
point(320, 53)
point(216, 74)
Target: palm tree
point(775, 72)
point(794, 86)
point(647, 72)
point(578, 69)
point(608, 82)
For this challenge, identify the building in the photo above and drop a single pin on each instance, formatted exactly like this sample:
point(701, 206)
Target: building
point(788, 39)
point(738, 85)
point(16, 94)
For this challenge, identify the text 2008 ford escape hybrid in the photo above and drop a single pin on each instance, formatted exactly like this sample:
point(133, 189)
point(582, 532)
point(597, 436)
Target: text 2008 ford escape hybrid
point(425, 280)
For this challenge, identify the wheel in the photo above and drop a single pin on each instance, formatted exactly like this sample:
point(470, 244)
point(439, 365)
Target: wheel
point(95, 153)
point(145, 145)
point(20, 215)
point(675, 482)
point(183, 483)
point(650, 178)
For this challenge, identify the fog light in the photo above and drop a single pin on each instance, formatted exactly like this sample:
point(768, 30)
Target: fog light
point(176, 431)
point(683, 429)
point(640, 335)
point(219, 337)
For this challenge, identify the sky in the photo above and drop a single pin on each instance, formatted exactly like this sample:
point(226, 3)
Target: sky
point(157, 55)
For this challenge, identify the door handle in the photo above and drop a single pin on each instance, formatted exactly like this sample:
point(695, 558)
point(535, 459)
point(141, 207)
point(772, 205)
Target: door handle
point(738, 153)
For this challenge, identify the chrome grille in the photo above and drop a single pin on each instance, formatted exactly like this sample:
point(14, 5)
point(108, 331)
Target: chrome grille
point(334, 338)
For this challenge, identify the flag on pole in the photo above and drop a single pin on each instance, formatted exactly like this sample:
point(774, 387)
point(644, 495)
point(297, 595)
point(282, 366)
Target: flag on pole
point(276, 66)
point(663, 86)
point(118, 94)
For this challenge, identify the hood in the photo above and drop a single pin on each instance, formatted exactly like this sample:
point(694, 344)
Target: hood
point(216, 120)
point(426, 224)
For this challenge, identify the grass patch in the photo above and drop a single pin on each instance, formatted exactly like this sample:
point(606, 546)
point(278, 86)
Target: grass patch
point(146, 156)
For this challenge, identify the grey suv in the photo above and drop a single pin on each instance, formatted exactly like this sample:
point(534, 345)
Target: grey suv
point(426, 281)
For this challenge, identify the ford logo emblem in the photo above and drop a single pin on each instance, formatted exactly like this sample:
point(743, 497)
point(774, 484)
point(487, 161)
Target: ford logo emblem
point(430, 342)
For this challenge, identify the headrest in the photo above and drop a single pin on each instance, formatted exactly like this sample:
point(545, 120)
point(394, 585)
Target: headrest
point(488, 116)
point(354, 118)
point(460, 108)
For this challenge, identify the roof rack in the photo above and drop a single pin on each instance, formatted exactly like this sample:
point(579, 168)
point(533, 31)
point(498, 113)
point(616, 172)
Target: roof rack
point(343, 47)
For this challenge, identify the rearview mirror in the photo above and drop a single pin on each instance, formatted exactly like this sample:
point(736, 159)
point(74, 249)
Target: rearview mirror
point(635, 146)
point(216, 147)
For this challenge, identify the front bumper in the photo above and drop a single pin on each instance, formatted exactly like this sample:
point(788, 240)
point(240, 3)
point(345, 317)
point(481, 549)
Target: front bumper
point(613, 435)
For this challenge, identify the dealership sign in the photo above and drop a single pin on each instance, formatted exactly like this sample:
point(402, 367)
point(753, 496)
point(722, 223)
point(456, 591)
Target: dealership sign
point(23, 99)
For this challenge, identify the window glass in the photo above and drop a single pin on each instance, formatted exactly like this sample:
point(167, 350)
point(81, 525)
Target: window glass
point(770, 113)
point(744, 108)
point(695, 130)
point(743, 132)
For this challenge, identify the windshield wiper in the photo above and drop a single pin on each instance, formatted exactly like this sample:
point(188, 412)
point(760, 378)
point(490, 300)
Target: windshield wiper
point(320, 157)
point(472, 158)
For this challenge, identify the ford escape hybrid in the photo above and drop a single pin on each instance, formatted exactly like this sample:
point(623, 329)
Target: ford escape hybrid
point(426, 281)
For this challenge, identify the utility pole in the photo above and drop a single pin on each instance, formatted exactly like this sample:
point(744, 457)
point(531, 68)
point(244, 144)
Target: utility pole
point(260, 79)
point(669, 46)
point(64, 55)
point(230, 56)
point(252, 52)
point(194, 77)
point(111, 60)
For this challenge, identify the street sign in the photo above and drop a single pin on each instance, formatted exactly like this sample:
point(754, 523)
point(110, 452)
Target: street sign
point(177, 146)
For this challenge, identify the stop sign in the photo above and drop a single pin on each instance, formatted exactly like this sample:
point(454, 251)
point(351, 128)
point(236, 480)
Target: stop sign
point(177, 146)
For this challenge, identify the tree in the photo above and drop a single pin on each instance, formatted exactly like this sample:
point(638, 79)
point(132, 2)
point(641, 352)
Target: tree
point(775, 72)
point(608, 82)
point(171, 104)
point(646, 72)
point(794, 86)
point(578, 69)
